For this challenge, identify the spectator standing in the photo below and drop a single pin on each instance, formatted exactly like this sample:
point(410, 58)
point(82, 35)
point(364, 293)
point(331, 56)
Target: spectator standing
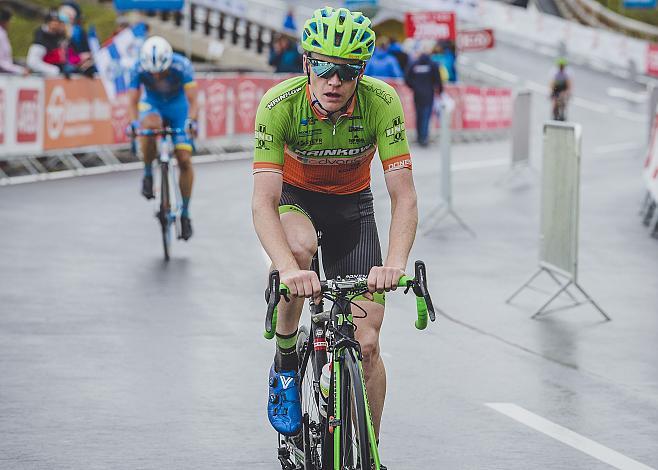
point(424, 79)
point(383, 64)
point(6, 56)
point(47, 54)
point(444, 55)
point(289, 23)
point(284, 56)
point(396, 51)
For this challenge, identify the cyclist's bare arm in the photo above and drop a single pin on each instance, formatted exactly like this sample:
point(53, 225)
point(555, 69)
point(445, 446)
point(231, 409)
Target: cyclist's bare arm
point(404, 219)
point(265, 213)
point(192, 93)
point(133, 104)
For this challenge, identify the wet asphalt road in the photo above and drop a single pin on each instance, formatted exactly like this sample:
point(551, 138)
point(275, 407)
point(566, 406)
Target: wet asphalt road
point(112, 359)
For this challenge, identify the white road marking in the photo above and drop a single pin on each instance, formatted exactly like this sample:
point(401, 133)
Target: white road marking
point(631, 116)
point(612, 148)
point(568, 437)
point(495, 72)
point(627, 95)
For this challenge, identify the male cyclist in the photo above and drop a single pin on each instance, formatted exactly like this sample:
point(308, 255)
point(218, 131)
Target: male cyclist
point(560, 90)
point(315, 138)
point(169, 99)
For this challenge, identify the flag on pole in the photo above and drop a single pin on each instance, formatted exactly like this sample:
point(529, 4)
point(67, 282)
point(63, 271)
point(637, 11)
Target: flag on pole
point(116, 59)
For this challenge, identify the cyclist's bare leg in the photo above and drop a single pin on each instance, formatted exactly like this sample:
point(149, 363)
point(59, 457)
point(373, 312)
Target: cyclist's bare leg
point(303, 242)
point(367, 334)
point(149, 144)
point(184, 158)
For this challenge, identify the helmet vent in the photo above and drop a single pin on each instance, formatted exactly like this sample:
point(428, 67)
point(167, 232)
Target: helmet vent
point(338, 39)
point(325, 30)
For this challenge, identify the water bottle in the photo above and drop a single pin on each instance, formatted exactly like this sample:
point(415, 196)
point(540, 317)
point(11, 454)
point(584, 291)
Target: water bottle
point(325, 380)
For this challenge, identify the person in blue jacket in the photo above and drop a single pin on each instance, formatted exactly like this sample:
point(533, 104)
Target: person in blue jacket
point(383, 64)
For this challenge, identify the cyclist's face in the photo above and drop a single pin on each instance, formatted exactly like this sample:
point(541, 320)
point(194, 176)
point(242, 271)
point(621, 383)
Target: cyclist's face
point(333, 93)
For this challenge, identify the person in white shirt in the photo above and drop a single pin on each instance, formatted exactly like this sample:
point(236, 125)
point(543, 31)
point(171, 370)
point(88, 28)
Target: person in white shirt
point(6, 59)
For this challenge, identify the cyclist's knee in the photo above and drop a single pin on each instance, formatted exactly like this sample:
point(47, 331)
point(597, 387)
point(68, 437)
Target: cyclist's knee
point(303, 247)
point(152, 121)
point(184, 162)
point(369, 342)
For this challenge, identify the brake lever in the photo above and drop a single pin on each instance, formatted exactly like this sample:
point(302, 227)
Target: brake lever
point(420, 289)
point(273, 298)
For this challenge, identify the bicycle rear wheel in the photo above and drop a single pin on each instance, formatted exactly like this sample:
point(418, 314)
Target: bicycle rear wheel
point(165, 207)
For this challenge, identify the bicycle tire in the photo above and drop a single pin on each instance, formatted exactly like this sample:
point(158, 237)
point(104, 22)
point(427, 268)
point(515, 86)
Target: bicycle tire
point(354, 435)
point(165, 205)
point(311, 401)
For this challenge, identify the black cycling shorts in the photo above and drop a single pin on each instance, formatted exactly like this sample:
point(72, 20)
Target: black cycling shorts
point(350, 243)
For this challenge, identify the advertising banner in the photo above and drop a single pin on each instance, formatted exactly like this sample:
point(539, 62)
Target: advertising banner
point(652, 59)
point(650, 172)
point(21, 110)
point(78, 114)
point(151, 5)
point(475, 40)
point(433, 25)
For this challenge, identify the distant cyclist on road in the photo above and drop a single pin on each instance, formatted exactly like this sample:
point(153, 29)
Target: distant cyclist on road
point(169, 99)
point(315, 138)
point(560, 91)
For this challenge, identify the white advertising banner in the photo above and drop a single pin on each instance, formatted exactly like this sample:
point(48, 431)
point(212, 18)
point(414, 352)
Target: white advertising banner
point(21, 112)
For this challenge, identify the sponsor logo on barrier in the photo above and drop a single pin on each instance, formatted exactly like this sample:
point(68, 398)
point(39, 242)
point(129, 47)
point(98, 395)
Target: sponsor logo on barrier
point(27, 116)
point(434, 25)
point(248, 98)
point(477, 40)
point(652, 59)
point(77, 114)
point(2, 116)
point(216, 102)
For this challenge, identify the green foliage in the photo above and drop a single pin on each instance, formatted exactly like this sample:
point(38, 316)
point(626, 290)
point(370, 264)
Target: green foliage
point(21, 29)
point(646, 16)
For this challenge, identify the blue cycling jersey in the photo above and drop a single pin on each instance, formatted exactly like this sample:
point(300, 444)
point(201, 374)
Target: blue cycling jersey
point(180, 76)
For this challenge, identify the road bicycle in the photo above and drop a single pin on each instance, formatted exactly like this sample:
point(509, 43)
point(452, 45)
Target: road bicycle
point(170, 204)
point(337, 431)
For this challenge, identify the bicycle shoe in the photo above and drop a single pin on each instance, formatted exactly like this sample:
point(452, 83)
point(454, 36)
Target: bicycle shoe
point(186, 227)
point(284, 408)
point(147, 187)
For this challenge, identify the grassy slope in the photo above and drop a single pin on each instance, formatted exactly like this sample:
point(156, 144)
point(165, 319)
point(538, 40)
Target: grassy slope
point(21, 29)
point(647, 16)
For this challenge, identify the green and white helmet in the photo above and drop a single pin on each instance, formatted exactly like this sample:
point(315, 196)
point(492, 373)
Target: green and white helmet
point(338, 32)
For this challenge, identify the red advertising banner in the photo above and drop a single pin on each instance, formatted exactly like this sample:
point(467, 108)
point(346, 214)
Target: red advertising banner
point(78, 114)
point(2, 115)
point(434, 25)
point(216, 99)
point(652, 59)
point(475, 40)
point(472, 108)
point(27, 116)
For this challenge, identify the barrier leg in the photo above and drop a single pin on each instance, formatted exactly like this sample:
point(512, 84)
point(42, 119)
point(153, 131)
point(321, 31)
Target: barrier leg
point(594, 304)
point(518, 291)
point(557, 281)
point(549, 301)
point(649, 214)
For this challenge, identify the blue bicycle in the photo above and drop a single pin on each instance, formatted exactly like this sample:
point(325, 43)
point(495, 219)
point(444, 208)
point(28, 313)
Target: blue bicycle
point(170, 204)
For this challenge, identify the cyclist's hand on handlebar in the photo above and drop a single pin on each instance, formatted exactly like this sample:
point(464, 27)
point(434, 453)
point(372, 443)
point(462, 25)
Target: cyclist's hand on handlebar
point(132, 127)
point(383, 279)
point(302, 283)
point(191, 127)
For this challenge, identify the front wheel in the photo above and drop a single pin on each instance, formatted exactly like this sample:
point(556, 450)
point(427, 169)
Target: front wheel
point(165, 209)
point(357, 445)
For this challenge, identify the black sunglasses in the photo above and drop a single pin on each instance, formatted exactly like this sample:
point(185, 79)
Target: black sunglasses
point(324, 69)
